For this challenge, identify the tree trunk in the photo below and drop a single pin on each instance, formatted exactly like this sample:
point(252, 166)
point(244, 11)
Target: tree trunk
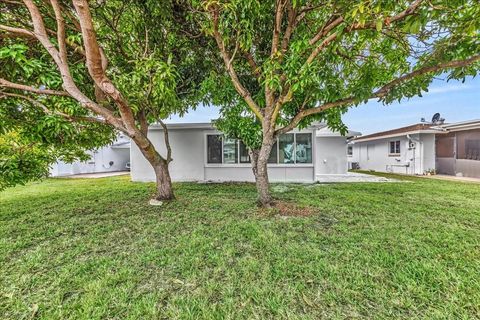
point(160, 167)
point(254, 160)
point(261, 177)
point(164, 183)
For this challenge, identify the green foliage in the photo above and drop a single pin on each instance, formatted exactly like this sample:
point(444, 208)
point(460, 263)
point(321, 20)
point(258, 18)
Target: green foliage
point(157, 67)
point(20, 161)
point(31, 140)
point(354, 64)
point(95, 249)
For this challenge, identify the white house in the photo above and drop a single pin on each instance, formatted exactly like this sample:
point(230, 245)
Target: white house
point(407, 150)
point(452, 149)
point(115, 157)
point(201, 153)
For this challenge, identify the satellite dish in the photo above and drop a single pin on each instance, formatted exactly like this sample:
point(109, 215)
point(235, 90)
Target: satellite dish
point(436, 117)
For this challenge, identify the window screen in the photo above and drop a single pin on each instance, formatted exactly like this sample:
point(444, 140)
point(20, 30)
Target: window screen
point(230, 151)
point(286, 149)
point(303, 148)
point(468, 145)
point(214, 148)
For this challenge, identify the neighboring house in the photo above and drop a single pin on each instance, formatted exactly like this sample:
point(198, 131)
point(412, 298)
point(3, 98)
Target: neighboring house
point(458, 149)
point(115, 157)
point(452, 149)
point(407, 150)
point(201, 153)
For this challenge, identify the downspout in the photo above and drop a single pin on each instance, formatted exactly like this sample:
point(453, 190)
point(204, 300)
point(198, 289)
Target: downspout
point(421, 155)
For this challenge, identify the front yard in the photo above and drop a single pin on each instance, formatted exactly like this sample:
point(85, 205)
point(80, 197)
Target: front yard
point(94, 249)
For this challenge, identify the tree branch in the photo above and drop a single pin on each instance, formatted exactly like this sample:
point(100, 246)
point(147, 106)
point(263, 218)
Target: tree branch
point(18, 31)
point(68, 83)
point(380, 93)
point(48, 111)
point(231, 71)
point(167, 141)
point(387, 21)
point(7, 84)
point(279, 6)
point(96, 63)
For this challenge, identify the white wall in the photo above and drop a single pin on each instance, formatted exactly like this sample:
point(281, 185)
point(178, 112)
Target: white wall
point(99, 162)
point(374, 155)
point(331, 155)
point(189, 160)
point(428, 144)
point(187, 153)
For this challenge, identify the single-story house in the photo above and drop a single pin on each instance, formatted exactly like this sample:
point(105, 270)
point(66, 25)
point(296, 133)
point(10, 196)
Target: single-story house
point(114, 157)
point(202, 153)
point(452, 149)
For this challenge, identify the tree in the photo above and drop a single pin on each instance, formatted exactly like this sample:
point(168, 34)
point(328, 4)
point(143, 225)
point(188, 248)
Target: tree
point(124, 64)
point(292, 62)
point(32, 139)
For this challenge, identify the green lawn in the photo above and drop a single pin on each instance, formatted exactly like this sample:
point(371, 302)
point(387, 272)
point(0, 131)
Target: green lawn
point(94, 249)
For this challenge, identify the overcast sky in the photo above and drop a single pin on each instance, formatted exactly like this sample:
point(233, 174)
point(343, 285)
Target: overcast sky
point(454, 100)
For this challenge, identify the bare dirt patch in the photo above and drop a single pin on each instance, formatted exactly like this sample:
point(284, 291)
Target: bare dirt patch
point(289, 209)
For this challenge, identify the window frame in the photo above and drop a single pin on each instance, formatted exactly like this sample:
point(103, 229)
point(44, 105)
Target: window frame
point(349, 148)
point(249, 165)
point(395, 154)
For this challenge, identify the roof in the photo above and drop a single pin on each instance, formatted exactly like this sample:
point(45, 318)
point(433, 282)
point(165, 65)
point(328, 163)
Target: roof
point(412, 129)
point(121, 145)
point(207, 125)
point(173, 126)
point(459, 126)
point(326, 132)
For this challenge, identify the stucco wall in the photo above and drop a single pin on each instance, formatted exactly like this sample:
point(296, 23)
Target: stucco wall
point(428, 143)
point(331, 155)
point(99, 162)
point(374, 155)
point(187, 153)
point(189, 163)
point(377, 156)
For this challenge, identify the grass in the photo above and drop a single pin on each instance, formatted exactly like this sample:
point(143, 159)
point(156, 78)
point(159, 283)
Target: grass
point(94, 249)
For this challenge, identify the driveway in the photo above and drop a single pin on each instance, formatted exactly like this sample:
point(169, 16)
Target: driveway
point(97, 175)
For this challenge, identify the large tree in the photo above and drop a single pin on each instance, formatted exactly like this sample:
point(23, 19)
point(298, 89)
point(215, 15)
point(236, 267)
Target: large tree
point(125, 64)
point(291, 62)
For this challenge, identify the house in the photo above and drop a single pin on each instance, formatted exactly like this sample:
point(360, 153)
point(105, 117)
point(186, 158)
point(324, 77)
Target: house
point(202, 153)
point(114, 157)
point(406, 150)
point(458, 149)
point(452, 149)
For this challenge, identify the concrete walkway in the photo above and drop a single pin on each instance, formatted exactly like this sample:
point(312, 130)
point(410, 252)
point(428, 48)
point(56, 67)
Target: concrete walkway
point(96, 175)
point(351, 177)
point(453, 178)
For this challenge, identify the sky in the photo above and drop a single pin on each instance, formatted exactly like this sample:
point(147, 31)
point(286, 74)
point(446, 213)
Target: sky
point(454, 100)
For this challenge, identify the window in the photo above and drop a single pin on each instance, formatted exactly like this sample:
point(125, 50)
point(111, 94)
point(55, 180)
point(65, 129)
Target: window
point(289, 148)
point(303, 149)
point(286, 148)
point(244, 156)
point(349, 151)
point(230, 151)
point(394, 147)
point(214, 148)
